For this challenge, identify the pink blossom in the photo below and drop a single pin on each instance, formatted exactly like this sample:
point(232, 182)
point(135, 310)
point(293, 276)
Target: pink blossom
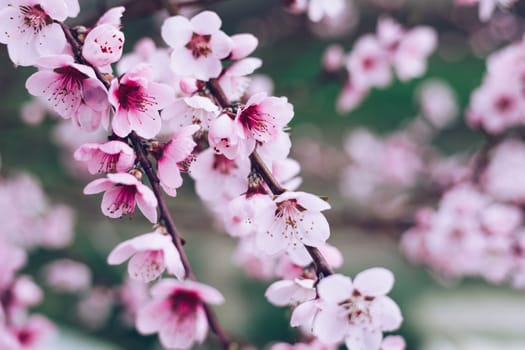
point(112, 156)
point(333, 58)
point(122, 192)
point(407, 50)
point(59, 224)
point(259, 83)
point(198, 45)
point(186, 111)
point(33, 333)
point(23, 294)
point(137, 101)
point(497, 105)
point(438, 102)
point(95, 309)
point(11, 260)
point(132, 295)
point(262, 118)
point(176, 151)
point(224, 138)
point(218, 178)
point(242, 213)
point(502, 178)
point(234, 80)
point(350, 97)
point(368, 64)
point(291, 292)
point(317, 9)
point(72, 90)
point(150, 254)
point(28, 29)
point(255, 262)
point(297, 221)
point(113, 17)
point(177, 313)
point(243, 45)
point(33, 112)
point(103, 45)
point(68, 276)
point(356, 312)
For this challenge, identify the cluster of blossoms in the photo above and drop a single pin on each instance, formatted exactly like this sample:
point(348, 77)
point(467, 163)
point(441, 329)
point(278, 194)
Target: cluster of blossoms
point(477, 228)
point(375, 58)
point(316, 9)
point(498, 104)
point(384, 169)
point(197, 117)
point(29, 221)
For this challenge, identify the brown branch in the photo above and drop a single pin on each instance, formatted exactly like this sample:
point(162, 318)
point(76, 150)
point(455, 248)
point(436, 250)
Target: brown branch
point(165, 215)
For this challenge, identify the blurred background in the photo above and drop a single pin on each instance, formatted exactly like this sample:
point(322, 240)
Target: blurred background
point(440, 313)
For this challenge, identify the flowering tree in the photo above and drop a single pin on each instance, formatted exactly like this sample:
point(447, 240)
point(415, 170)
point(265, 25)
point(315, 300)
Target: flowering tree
point(139, 121)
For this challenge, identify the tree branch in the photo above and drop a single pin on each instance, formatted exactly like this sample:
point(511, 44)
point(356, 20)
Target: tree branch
point(165, 216)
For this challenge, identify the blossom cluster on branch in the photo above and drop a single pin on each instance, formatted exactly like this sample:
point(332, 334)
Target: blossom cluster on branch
point(196, 117)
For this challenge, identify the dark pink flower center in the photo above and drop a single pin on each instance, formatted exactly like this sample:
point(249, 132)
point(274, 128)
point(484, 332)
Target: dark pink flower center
point(257, 122)
point(223, 165)
point(108, 162)
point(184, 303)
point(132, 96)
point(35, 17)
point(199, 45)
point(504, 104)
point(369, 63)
point(25, 337)
point(125, 200)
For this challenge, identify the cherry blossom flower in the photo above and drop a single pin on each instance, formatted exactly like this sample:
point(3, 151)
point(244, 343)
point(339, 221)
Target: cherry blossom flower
point(150, 254)
point(439, 103)
point(408, 50)
point(224, 139)
point(178, 149)
point(291, 292)
point(198, 45)
point(29, 30)
point(72, 90)
point(243, 213)
point(112, 156)
point(34, 333)
point(297, 221)
point(186, 111)
point(317, 9)
point(234, 80)
point(254, 261)
point(501, 178)
point(262, 118)
point(333, 58)
point(67, 275)
point(218, 178)
point(122, 192)
point(95, 308)
point(103, 45)
point(356, 312)
point(177, 313)
point(368, 63)
point(243, 45)
point(137, 100)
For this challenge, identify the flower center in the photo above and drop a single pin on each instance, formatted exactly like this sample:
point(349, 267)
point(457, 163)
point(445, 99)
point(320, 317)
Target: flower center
point(132, 96)
point(184, 303)
point(108, 162)
point(125, 200)
point(223, 165)
point(256, 122)
point(35, 17)
point(504, 104)
point(199, 45)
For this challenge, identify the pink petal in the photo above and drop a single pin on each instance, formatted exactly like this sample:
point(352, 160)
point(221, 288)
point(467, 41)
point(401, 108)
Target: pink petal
point(97, 186)
point(335, 289)
point(152, 317)
point(385, 314)
point(330, 325)
point(243, 45)
point(206, 22)
point(374, 282)
point(108, 200)
point(146, 266)
point(176, 31)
